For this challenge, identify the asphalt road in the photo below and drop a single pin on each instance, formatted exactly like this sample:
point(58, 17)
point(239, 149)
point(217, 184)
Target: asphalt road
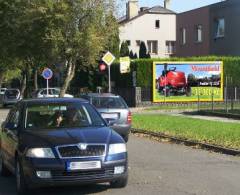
point(161, 168)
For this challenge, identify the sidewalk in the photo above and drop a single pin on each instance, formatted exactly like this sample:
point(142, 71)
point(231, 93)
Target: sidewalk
point(174, 112)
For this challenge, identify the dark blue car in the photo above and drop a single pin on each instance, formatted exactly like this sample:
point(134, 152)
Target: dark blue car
point(61, 141)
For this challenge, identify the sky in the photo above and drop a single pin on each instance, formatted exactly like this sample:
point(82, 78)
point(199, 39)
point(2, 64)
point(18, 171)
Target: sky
point(176, 5)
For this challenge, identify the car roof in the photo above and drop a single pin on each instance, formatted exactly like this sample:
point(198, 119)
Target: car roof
point(101, 95)
point(54, 100)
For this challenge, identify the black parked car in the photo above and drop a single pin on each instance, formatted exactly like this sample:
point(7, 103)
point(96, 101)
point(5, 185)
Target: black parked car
point(49, 142)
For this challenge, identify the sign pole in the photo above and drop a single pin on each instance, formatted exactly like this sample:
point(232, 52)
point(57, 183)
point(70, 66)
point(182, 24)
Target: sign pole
point(109, 79)
point(47, 87)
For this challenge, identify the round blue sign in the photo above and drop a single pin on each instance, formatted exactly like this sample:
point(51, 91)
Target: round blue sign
point(47, 73)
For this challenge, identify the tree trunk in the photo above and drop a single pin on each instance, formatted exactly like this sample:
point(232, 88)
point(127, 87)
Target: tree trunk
point(35, 79)
point(23, 83)
point(69, 76)
point(1, 80)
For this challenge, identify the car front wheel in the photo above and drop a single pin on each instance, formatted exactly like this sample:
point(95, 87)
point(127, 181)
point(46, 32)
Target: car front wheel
point(4, 170)
point(120, 183)
point(20, 181)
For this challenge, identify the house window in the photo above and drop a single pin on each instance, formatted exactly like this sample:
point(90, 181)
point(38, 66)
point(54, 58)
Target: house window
point(128, 42)
point(152, 47)
point(138, 42)
point(170, 47)
point(199, 33)
point(220, 27)
point(183, 36)
point(157, 23)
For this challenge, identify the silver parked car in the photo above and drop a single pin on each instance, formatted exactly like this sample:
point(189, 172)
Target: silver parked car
point(114, 110)
point(11, 96)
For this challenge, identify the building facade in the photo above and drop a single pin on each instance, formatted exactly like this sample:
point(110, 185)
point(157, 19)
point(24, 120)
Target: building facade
point(193, 33)
point(225, 28)
point(210, 30)
point(155, 26)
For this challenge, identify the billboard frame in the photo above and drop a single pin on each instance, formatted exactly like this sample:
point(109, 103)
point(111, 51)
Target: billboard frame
point(186, 62)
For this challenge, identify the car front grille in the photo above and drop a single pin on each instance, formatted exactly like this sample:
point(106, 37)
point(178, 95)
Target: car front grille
point(83, 175)
point(75, 151)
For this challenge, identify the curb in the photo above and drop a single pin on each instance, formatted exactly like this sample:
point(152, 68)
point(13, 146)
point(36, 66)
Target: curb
point(219, 114)
point(186, 142)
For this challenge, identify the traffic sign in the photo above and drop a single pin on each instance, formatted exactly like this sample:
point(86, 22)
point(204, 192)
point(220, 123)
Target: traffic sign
point(125, 65)
point(47, 73)
point(108, 58)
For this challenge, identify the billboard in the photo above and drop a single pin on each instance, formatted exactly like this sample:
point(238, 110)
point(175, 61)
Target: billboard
point(187, 81)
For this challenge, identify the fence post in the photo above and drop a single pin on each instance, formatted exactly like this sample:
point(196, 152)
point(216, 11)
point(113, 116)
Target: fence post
point(138, 96)
point(235, 93)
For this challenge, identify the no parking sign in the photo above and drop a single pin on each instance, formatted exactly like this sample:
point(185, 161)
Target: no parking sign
point(47, 74)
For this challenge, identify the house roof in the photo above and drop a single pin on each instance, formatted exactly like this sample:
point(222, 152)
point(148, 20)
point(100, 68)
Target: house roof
point(152, 10)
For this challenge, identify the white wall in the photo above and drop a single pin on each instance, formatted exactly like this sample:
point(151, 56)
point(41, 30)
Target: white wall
point(143, 28)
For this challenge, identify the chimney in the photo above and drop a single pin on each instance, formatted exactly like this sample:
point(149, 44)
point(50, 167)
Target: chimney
point(167, 4)
point(132, 9)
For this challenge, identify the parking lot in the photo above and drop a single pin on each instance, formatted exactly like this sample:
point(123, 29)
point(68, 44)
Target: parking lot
point(161, 168)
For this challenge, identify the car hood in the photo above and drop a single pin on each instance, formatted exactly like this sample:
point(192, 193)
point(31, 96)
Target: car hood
point(52, 138)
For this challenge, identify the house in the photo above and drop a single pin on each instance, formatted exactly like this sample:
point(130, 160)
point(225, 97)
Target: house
point(210, 30)
point(155, 26)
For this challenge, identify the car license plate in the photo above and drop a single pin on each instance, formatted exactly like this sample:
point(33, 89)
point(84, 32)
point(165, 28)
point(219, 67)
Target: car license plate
point(85, 165)
point(110, 115)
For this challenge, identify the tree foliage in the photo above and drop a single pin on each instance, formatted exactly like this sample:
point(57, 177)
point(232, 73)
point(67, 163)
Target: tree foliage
point(74, 33)
point(143, 51)
point(124, 50)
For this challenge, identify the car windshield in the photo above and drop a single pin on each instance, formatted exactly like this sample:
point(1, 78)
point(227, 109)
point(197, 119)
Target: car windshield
point(64, 115)
point(108, 102)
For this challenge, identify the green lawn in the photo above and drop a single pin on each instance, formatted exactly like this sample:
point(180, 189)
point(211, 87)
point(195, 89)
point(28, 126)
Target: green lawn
point(212, 132)
point(204, 93)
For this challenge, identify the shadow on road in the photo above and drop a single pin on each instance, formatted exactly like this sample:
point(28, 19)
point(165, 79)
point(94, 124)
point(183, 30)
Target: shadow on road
point(7, 187)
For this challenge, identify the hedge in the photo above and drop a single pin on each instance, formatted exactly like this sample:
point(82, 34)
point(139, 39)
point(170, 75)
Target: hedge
point(143, 68)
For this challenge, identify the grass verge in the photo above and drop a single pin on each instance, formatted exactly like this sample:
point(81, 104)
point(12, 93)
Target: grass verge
point(212, 132)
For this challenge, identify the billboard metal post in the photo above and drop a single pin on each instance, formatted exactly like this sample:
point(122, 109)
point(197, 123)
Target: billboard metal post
point(212, 95)
point(226, 95)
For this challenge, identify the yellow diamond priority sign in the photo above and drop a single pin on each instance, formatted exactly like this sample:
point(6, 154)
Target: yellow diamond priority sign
point(108, 58)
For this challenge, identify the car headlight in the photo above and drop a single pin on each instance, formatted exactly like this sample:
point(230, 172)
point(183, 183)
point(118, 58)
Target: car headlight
point(117, 148)
point(40, 153)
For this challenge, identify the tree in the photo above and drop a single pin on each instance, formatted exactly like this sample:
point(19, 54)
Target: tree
point(135, 56)
point(77, 32)
point(131, 54)
point(143, 50)
point(124, 50)
point(148, 55)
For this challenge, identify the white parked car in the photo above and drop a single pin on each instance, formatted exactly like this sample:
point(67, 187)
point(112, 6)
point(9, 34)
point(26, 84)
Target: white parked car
point(2, 91)
point(52, 92)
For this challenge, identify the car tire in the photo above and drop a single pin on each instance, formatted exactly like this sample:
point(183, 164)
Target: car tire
point(20, 180)
point(4, 170)
point(120, 183)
